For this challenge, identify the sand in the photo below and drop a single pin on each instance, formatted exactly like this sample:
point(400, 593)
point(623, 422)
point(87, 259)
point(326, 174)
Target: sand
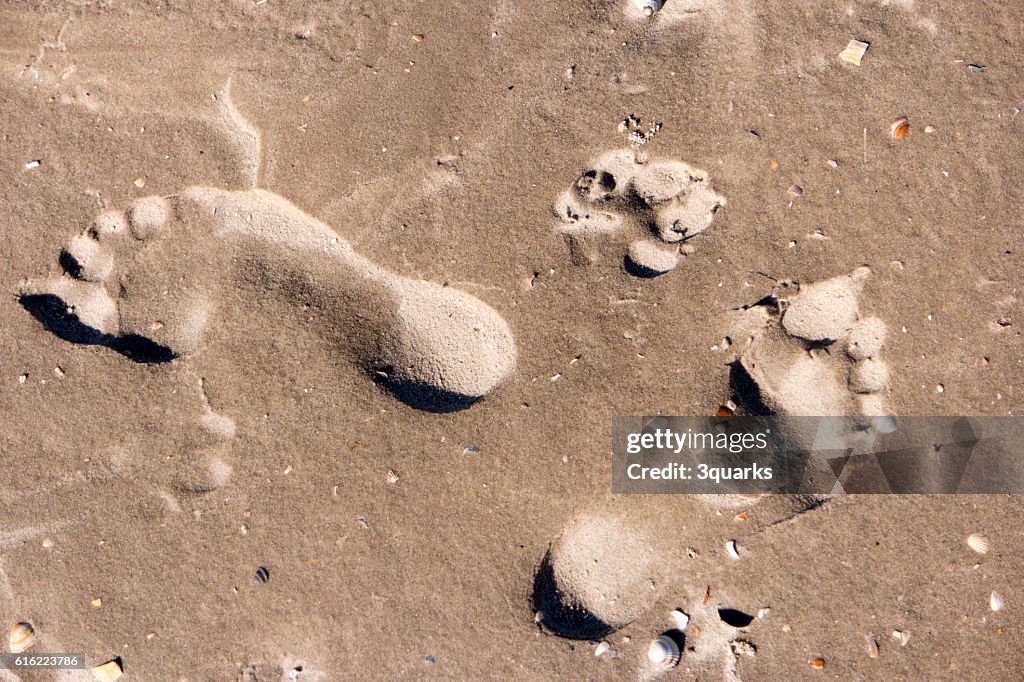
point(349, 293)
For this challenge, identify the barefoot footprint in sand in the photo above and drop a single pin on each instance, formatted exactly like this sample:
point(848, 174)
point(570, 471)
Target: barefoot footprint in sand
point(659, 204)
point(810, 352)
point(148, 281)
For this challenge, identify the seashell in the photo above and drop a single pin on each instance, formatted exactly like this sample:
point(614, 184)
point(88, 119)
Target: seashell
point(995, 601)
point(872, 646)
point(107, 672)
point(854, 52)
point(817, 663)
point(726, 409)
point(730, 547)
point(901, 636)
point(664, 653)
point(262, 575)
point(680, 619)
point(22, 637)
point(602, 648)
point(900, 128)
point(393, 476)
point(649, 7)
point(763, 613)
point(979, 543)
point(929, 129)
point(795, 190)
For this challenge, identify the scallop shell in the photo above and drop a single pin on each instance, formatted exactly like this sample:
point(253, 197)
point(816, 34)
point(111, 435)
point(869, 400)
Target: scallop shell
point(854, 52)
point(900, 128)
point(995, 601)
point(664, 652)
point(107, 672)
point(22, 637)
point(979, 543)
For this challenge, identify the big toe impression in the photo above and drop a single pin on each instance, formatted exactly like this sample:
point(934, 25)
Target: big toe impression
point(448, 350)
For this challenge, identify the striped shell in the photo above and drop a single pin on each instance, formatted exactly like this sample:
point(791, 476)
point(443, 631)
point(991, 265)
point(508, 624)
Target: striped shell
point(979, 543)
point(22, 637)
point(664, 653)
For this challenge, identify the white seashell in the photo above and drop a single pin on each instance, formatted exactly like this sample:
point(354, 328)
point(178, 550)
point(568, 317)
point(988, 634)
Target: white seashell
point(730, 547)
point(763, 613)
point(107, 672)
point(872, 646)
point(854, 52)
point(664, 653)
point(979, 543)
point(22, 637)
point(602, 648)
point(680, 619)
point(901, 636)
point(649, 7)
point(995, 601)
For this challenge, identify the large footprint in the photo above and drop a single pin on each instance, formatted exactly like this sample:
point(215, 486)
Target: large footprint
point(150, 280)
point(660, 204)
point(809, 351)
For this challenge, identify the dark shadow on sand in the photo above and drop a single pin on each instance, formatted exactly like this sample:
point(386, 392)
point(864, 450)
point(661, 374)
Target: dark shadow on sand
point(53, 314)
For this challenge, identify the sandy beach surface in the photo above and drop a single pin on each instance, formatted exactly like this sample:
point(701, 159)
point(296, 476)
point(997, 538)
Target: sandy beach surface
point(315, 316)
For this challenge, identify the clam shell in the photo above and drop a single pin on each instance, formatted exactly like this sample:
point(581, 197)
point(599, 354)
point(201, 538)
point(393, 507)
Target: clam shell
point(995, 601)
point(664, 652)
point(22, 637)
point(979, 543)
point(900, 128)
point(107, 672)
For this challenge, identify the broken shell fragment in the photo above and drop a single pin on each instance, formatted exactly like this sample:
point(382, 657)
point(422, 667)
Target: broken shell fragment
point(795, 190)
point(872, 646)
point(854, 52)
point(107, 672)
point(22, 637)
point(730, 547)
point(664, 653)
point(978, 543)
point(995, 601)
point(680, 619)
point(900, 128)
point(817, 663)
point(602, 648)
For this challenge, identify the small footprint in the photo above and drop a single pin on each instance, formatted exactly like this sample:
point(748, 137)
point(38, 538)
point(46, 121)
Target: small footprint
point(149, 281)
point(659, 204)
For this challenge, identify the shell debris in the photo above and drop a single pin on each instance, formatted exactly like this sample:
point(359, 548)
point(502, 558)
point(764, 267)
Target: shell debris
point(107, 672)
point(392, 476)
point(901, 636)
point(978, 543)
point(854, 51)
point(664, 653)
point(602, 648)
point(995, 601)
point(817, 663)
point(22, 637)
point(795, 190)
point(900, 128)
point(680, 619)
point(730, 547)
point(872, 646)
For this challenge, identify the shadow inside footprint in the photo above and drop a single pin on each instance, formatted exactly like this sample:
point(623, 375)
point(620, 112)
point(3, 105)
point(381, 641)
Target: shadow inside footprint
point(745, 390)
point(559, 614)
point(428, 398)
point(52, 312)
